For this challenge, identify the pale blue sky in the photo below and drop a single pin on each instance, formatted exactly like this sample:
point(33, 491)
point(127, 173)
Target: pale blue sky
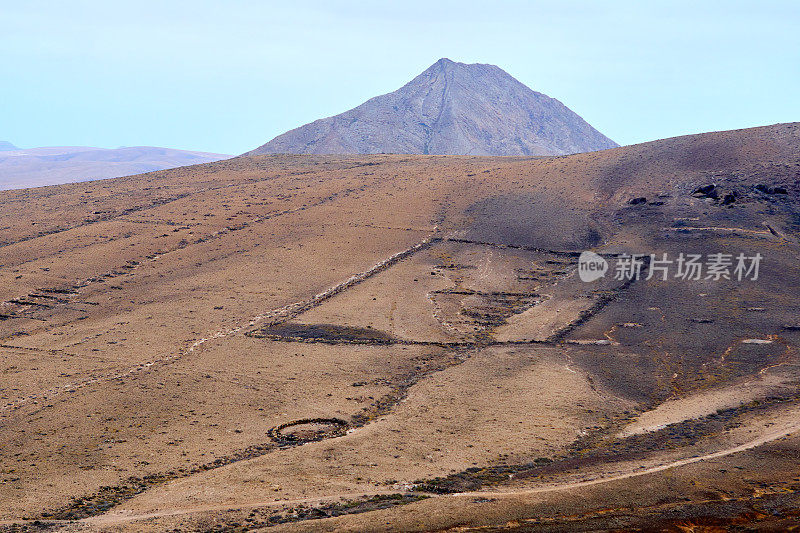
point(228, 76)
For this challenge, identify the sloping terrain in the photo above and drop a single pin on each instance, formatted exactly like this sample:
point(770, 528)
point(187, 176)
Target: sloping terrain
point(450, 108)
point(402, 342)
point(37, 167)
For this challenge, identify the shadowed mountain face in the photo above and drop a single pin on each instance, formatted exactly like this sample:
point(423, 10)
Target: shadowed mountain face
point(5, 146)
point(451, 108)
point(37, 167)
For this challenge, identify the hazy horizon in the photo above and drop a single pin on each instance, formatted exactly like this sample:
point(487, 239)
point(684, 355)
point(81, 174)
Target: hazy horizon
point(226, 79)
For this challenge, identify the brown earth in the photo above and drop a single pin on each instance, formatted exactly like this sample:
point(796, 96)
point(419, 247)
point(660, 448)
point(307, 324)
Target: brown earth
point(403, 343)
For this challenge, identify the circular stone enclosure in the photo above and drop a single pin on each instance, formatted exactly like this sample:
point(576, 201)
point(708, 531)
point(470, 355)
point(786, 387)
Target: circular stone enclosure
point(308, 430)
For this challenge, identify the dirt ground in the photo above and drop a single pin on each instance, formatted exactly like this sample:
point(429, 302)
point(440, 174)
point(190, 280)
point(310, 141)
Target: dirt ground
point(403, 343)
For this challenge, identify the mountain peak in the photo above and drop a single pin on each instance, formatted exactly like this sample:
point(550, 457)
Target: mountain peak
point(448, 64)
point(6, 146)
point(450, 108)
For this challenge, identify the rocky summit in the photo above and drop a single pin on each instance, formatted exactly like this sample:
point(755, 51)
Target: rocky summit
point(450, 108)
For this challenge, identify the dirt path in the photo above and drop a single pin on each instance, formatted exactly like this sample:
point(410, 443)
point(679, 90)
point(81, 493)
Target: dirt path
point(111, 519)
point(788, 428)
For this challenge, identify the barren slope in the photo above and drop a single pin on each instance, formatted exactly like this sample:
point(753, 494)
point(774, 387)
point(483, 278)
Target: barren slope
point(280, 339)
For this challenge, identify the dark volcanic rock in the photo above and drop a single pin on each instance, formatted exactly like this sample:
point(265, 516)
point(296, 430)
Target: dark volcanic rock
point(707, 191)
point(451, 108)
point(766, 189)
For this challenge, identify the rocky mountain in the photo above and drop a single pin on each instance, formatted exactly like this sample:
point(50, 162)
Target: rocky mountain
point(451, 108)
point(37, 167)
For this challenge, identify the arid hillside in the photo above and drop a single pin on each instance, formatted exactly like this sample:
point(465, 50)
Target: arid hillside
point(404, 342)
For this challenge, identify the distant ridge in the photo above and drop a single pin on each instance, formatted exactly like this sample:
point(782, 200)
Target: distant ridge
point(451, 108)
point(37, 167)
point(6, 146)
